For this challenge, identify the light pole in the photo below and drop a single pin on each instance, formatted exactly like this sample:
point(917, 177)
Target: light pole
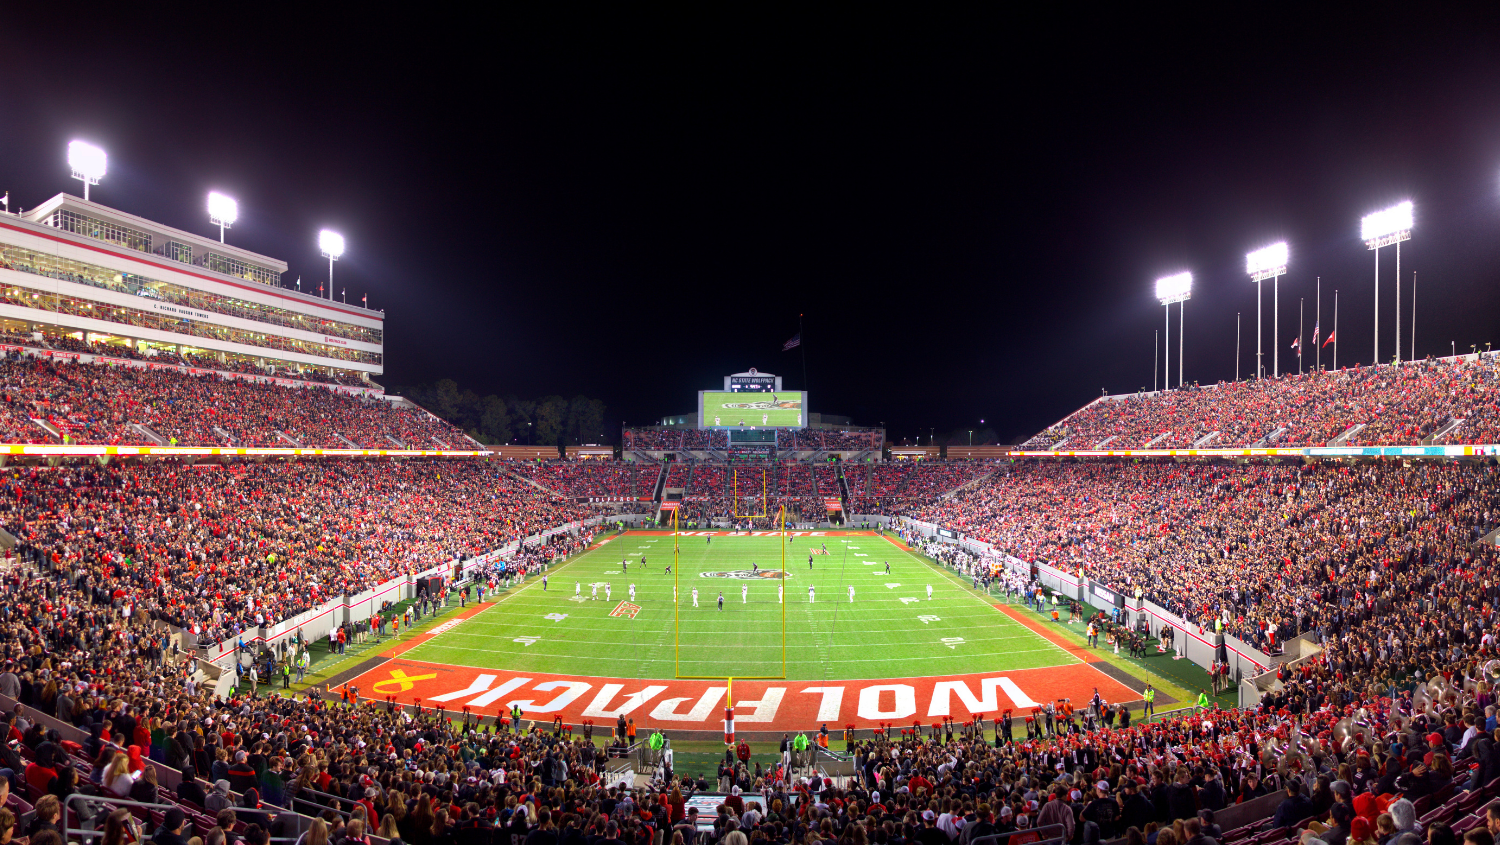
point(222, 210)
point(332, 245)
point(1268, 263)
point(1170, 289)
point(88, 162)
point(1383, 228)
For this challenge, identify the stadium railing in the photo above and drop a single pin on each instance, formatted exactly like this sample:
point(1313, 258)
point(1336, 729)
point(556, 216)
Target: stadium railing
point(1047, 834)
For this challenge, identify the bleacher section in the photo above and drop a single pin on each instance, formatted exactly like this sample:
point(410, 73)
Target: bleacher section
point(1390, 405)
point(101, 403)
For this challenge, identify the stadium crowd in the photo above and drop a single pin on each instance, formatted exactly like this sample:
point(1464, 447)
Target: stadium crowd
point(591, 478)
point(1396, 405)
point(1354, 755)
point(98, 403)
point(218, 551)
point(1387, 737)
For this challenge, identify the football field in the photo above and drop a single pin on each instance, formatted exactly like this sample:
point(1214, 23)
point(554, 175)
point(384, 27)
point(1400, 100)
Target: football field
point(585, 621)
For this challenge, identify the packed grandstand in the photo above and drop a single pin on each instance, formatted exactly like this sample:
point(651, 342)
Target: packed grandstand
point(1387, 734)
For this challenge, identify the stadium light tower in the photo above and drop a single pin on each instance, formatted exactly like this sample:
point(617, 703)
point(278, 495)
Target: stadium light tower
point(88, 163)
point(222, 210)
point(1383, 228)
point(1170, 289)
point(332, 245)
point(1268, 263)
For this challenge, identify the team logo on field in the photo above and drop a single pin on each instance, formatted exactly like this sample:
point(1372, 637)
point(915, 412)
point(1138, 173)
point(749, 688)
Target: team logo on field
point(747, 574)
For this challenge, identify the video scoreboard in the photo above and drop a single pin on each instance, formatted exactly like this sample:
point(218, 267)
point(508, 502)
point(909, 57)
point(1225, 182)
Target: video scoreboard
point(752, 400)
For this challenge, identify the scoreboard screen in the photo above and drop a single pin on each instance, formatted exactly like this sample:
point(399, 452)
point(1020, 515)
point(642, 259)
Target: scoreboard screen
point(752, 384)
point(774, 409)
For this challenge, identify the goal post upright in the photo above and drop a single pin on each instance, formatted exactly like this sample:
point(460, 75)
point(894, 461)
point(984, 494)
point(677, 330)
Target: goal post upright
point(782, 589)
point(676, 603)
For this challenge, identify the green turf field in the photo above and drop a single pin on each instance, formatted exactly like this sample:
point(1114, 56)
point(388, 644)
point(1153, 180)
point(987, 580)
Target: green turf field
point(891, 629)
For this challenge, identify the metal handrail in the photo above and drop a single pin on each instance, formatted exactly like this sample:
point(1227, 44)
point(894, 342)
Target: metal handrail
point(338, 801)
point(108, 800)
point(119, 803)
point(1000, 838)
point(835, 756)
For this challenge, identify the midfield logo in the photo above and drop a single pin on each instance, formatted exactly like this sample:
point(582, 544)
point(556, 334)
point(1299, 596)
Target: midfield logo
point(747, 574)
point(626, 609)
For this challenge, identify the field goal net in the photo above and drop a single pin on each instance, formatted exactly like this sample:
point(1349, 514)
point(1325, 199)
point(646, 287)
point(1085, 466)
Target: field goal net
point(748, 492)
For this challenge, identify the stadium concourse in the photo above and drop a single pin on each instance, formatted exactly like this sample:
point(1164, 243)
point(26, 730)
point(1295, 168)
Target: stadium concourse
point(1384, 735)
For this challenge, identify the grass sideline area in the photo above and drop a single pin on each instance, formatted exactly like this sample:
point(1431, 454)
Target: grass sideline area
point(584, 622)
point(1180, 679)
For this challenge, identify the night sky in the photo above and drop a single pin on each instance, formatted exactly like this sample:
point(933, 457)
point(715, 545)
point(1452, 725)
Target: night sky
point(970, 211)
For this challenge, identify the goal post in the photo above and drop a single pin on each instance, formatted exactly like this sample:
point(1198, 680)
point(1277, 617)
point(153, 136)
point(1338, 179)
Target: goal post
point(750, 487)
point(677, 644)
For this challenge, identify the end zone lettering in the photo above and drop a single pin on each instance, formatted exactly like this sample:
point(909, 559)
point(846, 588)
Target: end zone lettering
point(759, 705)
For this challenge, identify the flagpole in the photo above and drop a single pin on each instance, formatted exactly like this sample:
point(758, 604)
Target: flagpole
point(1236, 346)
point(1318, 321)
point(1301, 303)
point(802, 345)
point(1156, 363)
point(1413, 355)
point(1335, 329)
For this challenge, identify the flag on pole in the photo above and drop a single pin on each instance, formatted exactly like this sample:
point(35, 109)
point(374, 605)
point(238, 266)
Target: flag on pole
point(1297, 345)
point(1330, 338)
point(795, 342)
point(1315, 334)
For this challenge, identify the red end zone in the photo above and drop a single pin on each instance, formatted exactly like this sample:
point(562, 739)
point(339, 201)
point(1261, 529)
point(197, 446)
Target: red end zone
point(759, 705)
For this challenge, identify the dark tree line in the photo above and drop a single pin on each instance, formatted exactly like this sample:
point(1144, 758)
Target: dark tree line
point(548, 421)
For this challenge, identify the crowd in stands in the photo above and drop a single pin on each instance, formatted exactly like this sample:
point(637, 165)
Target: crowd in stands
point(592, 478)
point(679, 475)
point(849, 440)
point(796, 481)
point(1408, 605)
point(1386, 737)
point(653, 440)
point(218, 551)
point(826, 476)
point(695, 438)
point(888, 479)
point(1396, 405)
point(1271, 551)
point(98, 403)
point(709, 480)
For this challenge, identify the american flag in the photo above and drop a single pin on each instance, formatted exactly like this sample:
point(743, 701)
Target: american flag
point(793, 343)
